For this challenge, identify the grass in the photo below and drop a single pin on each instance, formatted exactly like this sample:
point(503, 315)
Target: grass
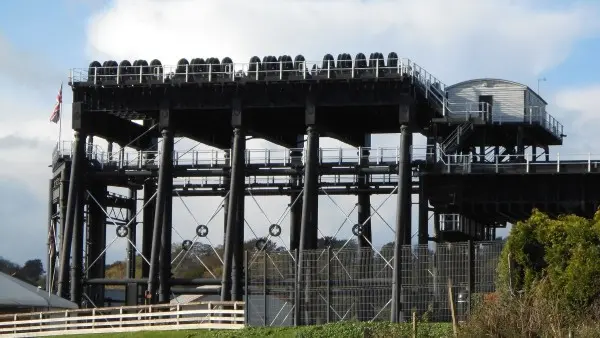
point(337, 330)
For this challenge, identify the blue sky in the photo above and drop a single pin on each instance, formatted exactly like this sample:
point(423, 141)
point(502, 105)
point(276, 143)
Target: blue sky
point(40, 40)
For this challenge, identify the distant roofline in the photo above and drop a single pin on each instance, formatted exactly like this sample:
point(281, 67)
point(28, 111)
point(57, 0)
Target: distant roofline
point(499, 80)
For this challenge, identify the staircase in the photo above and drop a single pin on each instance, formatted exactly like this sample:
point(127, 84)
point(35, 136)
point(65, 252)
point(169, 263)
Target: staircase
point(455, 140)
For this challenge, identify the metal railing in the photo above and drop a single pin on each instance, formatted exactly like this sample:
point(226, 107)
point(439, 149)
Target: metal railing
point(265, 157)
point(375, 156)
point(521, 163)
point(432, 87)
point(265, 181)
point(538, 115)
point(200, 315)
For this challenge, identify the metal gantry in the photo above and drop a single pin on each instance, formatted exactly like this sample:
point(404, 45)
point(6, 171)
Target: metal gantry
point(292, 103)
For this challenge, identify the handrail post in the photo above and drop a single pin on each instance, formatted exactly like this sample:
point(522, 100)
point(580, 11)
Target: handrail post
point(497, 164)
point(589, 162)
point(280, 70)
point(557, 162)
point(187, 72)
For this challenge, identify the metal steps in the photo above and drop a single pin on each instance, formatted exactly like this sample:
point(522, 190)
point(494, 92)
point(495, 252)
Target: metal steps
point(455, 140)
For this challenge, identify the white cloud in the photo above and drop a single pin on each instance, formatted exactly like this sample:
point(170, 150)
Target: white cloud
point(581, 101)
point(453, 39)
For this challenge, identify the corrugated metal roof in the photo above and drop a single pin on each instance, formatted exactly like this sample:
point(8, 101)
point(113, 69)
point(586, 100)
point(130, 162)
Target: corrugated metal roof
point(16, 293)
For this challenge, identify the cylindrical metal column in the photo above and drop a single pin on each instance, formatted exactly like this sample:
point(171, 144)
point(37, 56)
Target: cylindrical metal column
point(402, 219)
point(148, 222)
point(236, 193)
point(166, 242)
point(131, 233)
point(51, 237)
point(165, 175)
point(309, 224)
point(310, 198)
point(77, 249)
point(75, 181)
point(295, 202)
point(96, 242)
point(237, 275)
point(227, 185)
point(423, 213)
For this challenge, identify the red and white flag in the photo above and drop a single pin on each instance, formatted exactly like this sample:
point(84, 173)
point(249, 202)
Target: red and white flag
point(55, 117)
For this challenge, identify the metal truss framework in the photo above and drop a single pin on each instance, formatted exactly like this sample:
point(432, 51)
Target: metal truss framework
point(222, 107)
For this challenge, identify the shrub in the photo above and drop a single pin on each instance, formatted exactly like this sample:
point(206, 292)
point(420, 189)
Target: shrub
point(548, 280)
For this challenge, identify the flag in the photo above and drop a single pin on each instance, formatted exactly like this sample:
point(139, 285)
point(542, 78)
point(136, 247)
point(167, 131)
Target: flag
point(55, 117)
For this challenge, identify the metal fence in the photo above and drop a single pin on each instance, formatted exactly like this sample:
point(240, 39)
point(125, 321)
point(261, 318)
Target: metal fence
point(340, 285)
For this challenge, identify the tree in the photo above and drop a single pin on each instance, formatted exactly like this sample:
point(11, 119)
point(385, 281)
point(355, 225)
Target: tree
point(560, 255)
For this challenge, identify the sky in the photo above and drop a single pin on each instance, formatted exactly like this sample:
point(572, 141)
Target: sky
point(522, 41)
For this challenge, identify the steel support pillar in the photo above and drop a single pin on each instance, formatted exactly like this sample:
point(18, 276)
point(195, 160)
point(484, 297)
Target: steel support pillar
point(402, 220)
point(235, 211)
point(165, 175)
point(131, 234)
point(365, 256)
point(131, 252)
point(76, 284)
point(51, 237)
point(148, 222)
point(227, 184)
point(296, 208)
point(237, 274)
point(96, 242)
point(166, 242)
point(423, 213)
point(75, 184)
point(150, 188)
point(309, 226)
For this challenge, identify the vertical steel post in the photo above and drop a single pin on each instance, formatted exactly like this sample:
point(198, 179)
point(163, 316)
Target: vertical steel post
point(166, 235)
point(77, 248)
point(131, 233)
point(402, 219)
point(296, 208)
point(150, 188)
point(328, 301)
point(164, 176)
point(75, 181)
point(246, 290)
point(423, 213)
point(236, 193)
point(96, 241)
point(308, 228)
point(265, 280)
point(51, 237)
point(226, 185)
point(238, 248)
point(365, 255)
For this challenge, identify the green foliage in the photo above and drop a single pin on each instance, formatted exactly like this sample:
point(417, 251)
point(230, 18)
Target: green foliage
point(31, 272)
point(547, 281)
point(337, 330)
point(557, 255)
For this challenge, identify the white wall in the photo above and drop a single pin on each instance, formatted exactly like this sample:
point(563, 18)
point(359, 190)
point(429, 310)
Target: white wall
point(508, 98)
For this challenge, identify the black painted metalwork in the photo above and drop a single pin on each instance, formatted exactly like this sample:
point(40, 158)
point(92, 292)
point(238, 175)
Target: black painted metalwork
point(77, 164)
point(236, 200)
point(220, 104)
point(402, 219)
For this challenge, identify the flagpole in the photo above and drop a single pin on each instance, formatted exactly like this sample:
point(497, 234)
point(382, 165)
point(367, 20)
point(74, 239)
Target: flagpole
point(60, 120)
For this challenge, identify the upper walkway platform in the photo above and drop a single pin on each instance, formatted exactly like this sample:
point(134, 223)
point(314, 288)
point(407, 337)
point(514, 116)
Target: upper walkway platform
point(280, 84)
point(344, 158)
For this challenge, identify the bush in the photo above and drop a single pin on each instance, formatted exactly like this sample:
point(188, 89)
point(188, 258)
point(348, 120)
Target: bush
point(548, 280)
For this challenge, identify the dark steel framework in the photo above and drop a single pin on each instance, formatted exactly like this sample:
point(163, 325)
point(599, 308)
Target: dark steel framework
point(221, 104)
